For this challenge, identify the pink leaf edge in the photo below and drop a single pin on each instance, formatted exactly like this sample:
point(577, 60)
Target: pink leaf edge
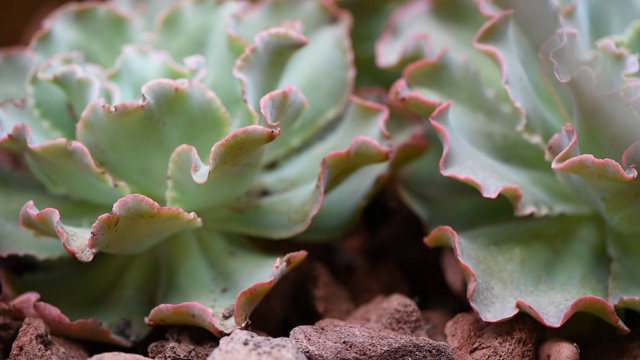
point(446, 236)
point(28, 305)
point(196, 314)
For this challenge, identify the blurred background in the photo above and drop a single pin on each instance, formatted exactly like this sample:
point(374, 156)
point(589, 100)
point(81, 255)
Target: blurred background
point(20, 18)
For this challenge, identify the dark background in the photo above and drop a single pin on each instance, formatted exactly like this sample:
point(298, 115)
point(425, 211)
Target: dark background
point(20, 18)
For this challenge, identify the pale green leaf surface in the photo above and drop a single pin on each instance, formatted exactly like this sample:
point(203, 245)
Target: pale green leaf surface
point(549, 268)
point(323, 71)
point(30, 128)
point(604, 183)
point(624, 284)
point(361, 119)
point(98, 31)
point(67, 168)
point(262, 64)
point(309, 16)
point(15, 66)
point(139, 64)
point(231, 169)
point(219, 268)
point(481, 144)
point(514, 40)
point(204, 24)
point(422, 29)
point(135, 224)
point(117, 290)
point(134, 141)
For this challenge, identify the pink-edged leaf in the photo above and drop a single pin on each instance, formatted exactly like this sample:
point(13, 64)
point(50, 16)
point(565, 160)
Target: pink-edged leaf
point(205, 25)
point(604, 183)
point(233, 164)
point(624, 284)
point(550, 268)
point(481, 144)
point(229, 313)
point(28, 305)
point(283, 107)
point(423, 29)
point(66, 167)
point(134, 141)
point(513, 38)
point(262, 64)
point(288, 195)
point(135, 224)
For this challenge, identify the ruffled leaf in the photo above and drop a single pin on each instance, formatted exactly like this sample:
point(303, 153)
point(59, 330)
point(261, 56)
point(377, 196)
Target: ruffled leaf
point(423, 29)
point(200, 278)
point(481, 144)
point(285, 199)
point(261, 65)
point(241, 277)
point(28, 305)
point(135, 224)
point(604, 183)
point(329, 53)
point(97, 30)
point(513, 38)
point(136, 66)
point(231, 169)
point(204, 24)
point(105, 300)
point(66, 167)
point(550, 268)
point(134, 141)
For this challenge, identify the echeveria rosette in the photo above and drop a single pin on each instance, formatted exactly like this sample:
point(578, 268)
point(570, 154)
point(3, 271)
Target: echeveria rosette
point(557, 136)
point(159, 143)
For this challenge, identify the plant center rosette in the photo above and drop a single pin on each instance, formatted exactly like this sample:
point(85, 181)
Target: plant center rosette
point(155, 141)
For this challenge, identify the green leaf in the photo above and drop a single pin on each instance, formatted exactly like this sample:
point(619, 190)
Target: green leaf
point(15, 66)
point(231, 169)
point(514, 39)
point(204, 24)
point(481, 144)
point(548, 267)
point(134, 141)
point(139, 64)
point(135, 224)
point(225, 279)
point(97, 30)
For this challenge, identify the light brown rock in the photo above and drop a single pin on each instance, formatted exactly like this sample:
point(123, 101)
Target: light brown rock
point(395, 312)
point(35, 342)
point(245, 345)
point(118, 356)
point(558, 349)
point(473, 339)
point(334, 339)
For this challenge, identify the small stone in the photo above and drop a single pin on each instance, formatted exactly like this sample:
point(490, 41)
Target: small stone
point(245, 345)
point(395, 312)
point(558, 349)
point(474, 339)
point(35, 342)
point(118, 356)
point(334, 339)
point(183, 342)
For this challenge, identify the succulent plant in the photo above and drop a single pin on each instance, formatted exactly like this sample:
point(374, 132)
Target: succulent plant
point(536, 101)
point(156, 140)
